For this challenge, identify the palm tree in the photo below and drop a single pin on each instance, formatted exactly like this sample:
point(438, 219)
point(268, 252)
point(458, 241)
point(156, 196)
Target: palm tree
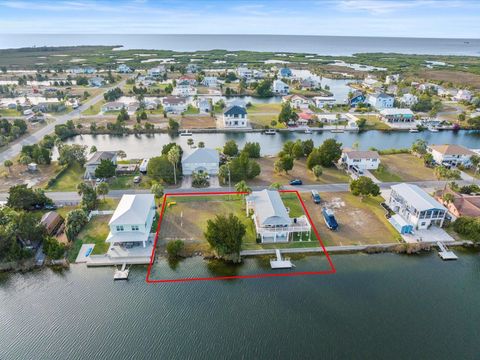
point(242, 187)
point(174, 157)
point(121, 154)
point(275, 186)
point(157, 189)
point(103, 189)
point(8, 164)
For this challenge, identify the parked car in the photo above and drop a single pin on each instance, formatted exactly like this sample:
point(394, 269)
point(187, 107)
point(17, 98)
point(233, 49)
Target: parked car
point(137, 179)
point(296, 182)
point(50, 207)
point(316, 197)
point(329, 218)
point(356, 170)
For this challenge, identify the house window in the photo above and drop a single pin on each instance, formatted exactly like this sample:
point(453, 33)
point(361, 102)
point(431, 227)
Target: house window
point(119, 227)
point(135, 228)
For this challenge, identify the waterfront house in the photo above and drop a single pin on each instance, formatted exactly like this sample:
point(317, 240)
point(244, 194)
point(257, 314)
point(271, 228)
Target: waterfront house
point(132, 220)
point(428, 87)
point(285, 72)
point(381, 100)
point(235, 116)
point(451, 155)
point(201, 160)
point(357, 97)
point(396, 115)
point(392, 79)
point(244, 73)
point(203, 105)
point(113, 106)
point(210, 81)
point(305, 118)
point(92, 163)
point(271, 219)
point(416, 206)
point(361, 159)
point(191, 68)
point(463, 95)
point(298, 101)
point(187, 79)
point(280, 88)
point(408, 99)
point(96, 81)
point(462, 204)
point(184, 88)
point(371, 82)
point(174, 104)
point(157, 72)
point(53, 223)
point(322, 101)
point(309, 84)
point(124, 69)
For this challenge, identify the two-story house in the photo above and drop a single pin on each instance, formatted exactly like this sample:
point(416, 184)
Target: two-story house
point(235, 116)
point(280, 88)
point(132, 220)
point(271, 219)
point(381, 100)
point(95, 160)
point(416, 207)
point(174, 104)
point(201, 160)
point(451, 155)
point(361, 159)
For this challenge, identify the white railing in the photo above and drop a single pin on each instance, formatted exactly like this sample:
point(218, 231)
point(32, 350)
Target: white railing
point(99, 212)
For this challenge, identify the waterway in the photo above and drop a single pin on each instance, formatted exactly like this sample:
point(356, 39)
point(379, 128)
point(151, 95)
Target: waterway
point(140, 146)
point(375, 307)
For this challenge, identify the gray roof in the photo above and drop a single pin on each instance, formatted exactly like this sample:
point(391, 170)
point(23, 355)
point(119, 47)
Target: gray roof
point(361, 154)
point(235, 110)
point(417, 197)
point(101, 155)
point(202, 155)
point(383, 95)
point(133, 209)
point(269, 208)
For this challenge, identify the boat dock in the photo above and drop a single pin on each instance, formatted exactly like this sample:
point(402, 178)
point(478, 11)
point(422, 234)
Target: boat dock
point(444, 253)
point(280, 263)
point(121, 274)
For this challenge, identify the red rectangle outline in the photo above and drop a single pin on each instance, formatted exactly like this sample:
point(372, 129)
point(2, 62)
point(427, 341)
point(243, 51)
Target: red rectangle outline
point(255, 276)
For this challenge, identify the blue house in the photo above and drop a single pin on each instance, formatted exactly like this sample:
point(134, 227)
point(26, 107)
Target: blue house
point(357, 98)
point(285, 72)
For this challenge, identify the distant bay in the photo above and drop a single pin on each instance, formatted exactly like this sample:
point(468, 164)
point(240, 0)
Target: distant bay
point(323, 45)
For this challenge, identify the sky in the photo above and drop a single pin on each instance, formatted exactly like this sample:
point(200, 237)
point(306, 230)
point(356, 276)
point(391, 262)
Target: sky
point(399, 18)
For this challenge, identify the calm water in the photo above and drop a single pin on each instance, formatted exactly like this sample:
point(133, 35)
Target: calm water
point(324, 45)
point(139, 146)
point(375, 307)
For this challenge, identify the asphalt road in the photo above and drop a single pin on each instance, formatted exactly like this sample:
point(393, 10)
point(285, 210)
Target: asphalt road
point(14, 149)
point(71, 197)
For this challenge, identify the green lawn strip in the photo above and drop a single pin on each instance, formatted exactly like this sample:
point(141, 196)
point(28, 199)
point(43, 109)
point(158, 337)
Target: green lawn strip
point(94, 109)
point(274, 108)
point(95, 232)
point(333, 176)
point(10, 112)
point(384, 175)
point(69, 179)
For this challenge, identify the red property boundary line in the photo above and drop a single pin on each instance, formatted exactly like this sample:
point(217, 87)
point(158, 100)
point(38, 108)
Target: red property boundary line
point(254, 276)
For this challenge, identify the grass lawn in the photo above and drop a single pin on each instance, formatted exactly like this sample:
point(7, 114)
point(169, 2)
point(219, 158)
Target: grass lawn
point(360, 222)
point(263, 108)
point(69, 179)
point(126, 182)
point(299, 171)
point(10, 112)
point(261, 115)
point(404, 167)
point(95, 232)
point(384, 175)
point(471, 172)
point(191, 110)
point(94, 109)
point(373, 122)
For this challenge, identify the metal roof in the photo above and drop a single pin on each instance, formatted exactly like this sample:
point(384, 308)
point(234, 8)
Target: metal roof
point(417, 197)
point(269, 208)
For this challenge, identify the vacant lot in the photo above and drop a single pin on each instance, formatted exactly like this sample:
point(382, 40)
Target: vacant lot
point(403, 167)
point(299, 171)
point(261, 115)
point(69, 179)
point(198, 122)
point(455, 77)
point(360, 222)
point(18, 174)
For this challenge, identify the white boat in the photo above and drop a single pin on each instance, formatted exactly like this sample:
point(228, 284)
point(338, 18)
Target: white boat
point(413, 130)
point(432, 129)
point(308, 131)
point(186, 133)
point(337, 130)
point(270, 132)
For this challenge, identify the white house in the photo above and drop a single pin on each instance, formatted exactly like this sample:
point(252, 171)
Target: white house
point(235, 116)
point(244, 73)
point(396, 115)
point(322, 101)
point(362, 159)
point(381, 100)
point(298, 101)
point(463, 95)
point(416, 207)
point(280, 88)
point(190, 79)
point(451, 155)
point(113, 106)
point(408, 99)
point(392, 79)
point(95, 160)
point(157, 71)
point(203, 105)
point(201, 160)
point(123, 69)
point(174, 104)
point(132, 220)
point(210, 81)
point(270, 216)
point(371, 82)
point(184, 89)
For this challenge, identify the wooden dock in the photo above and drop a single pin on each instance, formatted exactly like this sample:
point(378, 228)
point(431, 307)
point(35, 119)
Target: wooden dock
point(121, 274)
point(444, 253)
point(280, 263)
